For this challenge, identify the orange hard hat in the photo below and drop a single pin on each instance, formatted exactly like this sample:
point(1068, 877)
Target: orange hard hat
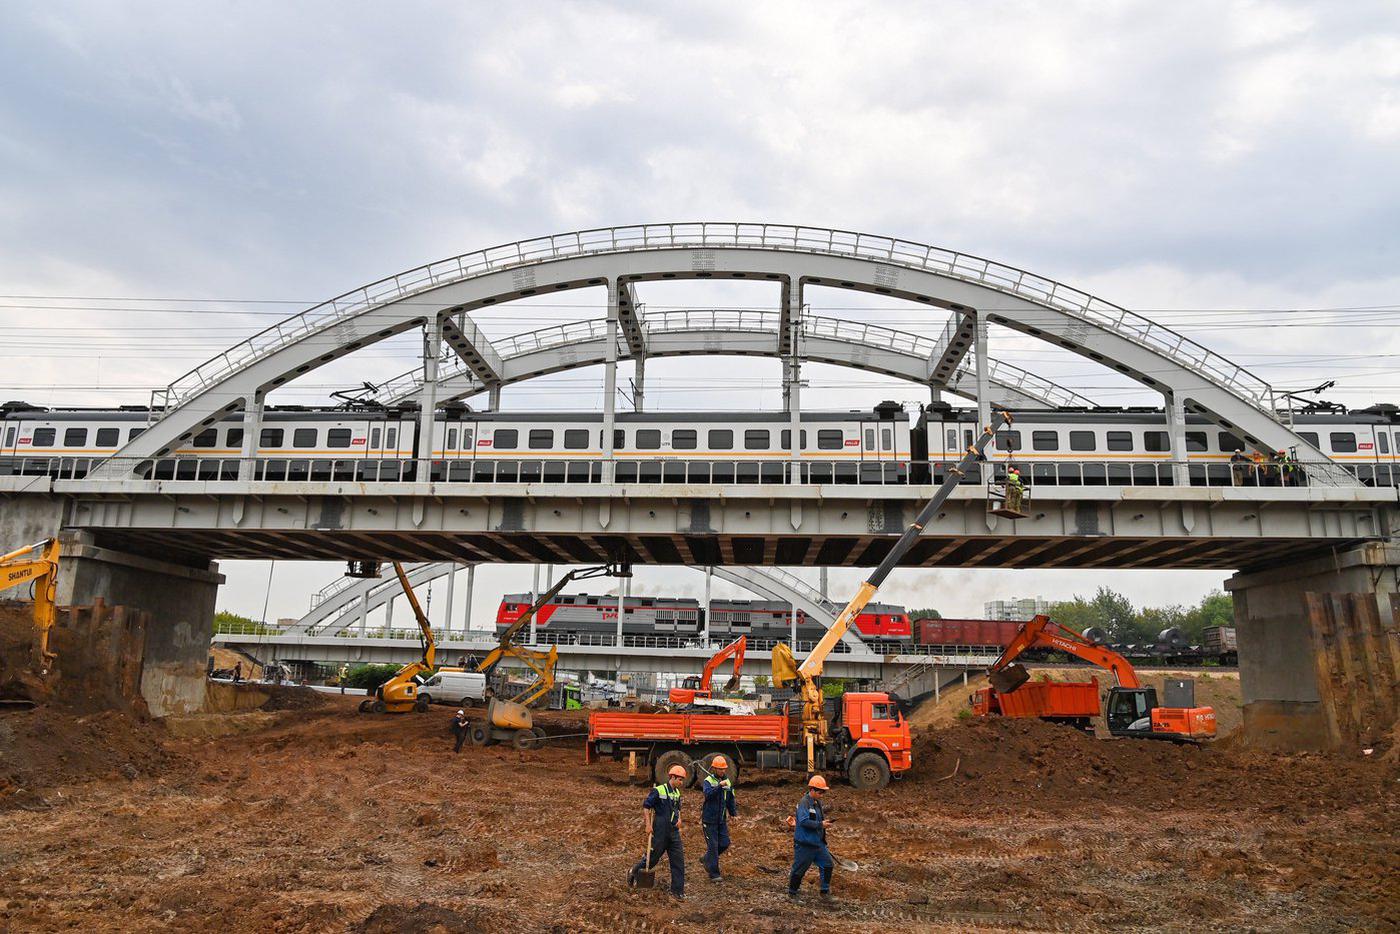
point(719, 762)
point(817, 781)
point(677, 771)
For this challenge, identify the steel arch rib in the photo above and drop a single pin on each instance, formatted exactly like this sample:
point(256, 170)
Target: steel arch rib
point(1130, 343)
point(761, 582)
point(747, 332)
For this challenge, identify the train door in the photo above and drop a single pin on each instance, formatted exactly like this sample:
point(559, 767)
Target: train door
point(877, 460)
point(10, 432)
point(1387, 456)
point(382, 451)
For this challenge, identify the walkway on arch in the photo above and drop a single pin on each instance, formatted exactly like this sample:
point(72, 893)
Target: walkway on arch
point(740, 332)
point(978, 291)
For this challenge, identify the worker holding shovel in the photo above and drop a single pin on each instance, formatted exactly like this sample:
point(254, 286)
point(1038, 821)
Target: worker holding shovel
point(809, 839)
point(662, 811)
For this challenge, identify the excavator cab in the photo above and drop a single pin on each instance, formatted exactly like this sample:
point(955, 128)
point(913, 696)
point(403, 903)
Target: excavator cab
point(1129, 711)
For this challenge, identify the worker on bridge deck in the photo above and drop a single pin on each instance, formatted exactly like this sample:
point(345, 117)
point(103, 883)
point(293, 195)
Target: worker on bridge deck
point(714, 815)
point(809, 839)
point(662, 812)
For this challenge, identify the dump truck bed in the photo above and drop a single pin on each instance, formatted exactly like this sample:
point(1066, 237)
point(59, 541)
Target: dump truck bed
point(1051, 699)
point(688, 727)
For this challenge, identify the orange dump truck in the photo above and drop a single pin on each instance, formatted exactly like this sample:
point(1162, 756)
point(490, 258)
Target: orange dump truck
point(1073, 702)
point(869, 740)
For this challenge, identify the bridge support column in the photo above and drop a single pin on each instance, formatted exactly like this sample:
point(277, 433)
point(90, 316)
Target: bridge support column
point(451, 596)
point(252, 433)
point(792, 386)
point(1175, 407)
point(180, 599)
point(1319, 658)
point(610, 382)
point(639, 384)
point(709, 579)
point(493, 398)
point(427, 399)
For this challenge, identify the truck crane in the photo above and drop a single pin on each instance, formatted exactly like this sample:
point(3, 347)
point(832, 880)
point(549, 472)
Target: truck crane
point(697, 689)
point(510, 720)
point(1131, 709)
point(400, 693)
point(36, 564)
point(816, 732)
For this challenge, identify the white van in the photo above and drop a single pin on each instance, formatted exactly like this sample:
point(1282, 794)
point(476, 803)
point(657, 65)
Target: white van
point(455, 687)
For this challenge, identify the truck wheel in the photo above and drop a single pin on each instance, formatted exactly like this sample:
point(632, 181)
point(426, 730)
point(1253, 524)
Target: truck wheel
point(478, 734)
point(868, 770)
point(524, 739)
point(366, 705)
point(669, 758)
point(466, 703)
point(378, 707)
point(421, 704)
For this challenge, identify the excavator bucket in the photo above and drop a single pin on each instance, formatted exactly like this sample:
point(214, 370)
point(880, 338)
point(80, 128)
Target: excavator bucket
point(1009, 678)
point(733, 683)
point(784, 665)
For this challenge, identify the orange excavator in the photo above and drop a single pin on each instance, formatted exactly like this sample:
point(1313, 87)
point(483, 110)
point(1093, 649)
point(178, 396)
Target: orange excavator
point(1132, 709)
point(696, 689)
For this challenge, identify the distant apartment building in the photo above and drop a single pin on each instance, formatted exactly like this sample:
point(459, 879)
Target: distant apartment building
point(1021, 609)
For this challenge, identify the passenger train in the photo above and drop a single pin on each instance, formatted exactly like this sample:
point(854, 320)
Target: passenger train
point(1068, 446)
point(573, 614)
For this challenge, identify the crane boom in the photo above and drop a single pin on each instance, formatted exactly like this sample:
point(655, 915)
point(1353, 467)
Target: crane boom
point(785, 669)
point(429, 642)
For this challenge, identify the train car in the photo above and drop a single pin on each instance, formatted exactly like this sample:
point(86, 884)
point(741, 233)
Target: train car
point(571, 615)
point(961, 633)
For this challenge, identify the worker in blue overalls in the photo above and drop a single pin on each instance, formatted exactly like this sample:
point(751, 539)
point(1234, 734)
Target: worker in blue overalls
point(662, 811)
point(809, 839)
point(714, 816)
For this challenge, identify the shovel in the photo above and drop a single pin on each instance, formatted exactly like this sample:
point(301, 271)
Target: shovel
point(645, 878)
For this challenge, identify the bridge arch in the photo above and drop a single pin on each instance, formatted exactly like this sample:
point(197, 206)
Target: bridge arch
point(977, 291)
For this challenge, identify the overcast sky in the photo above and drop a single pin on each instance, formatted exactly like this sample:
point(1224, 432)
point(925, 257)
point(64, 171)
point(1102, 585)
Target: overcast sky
point(175, 176)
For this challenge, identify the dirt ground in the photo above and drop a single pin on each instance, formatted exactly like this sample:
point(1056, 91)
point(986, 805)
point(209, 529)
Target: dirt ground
point(324, 820)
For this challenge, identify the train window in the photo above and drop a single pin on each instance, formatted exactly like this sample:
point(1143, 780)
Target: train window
point(870, 439)
point(235, 438)
point(649, 439)
point(75, 437)
point(576, 439)
point(721, 439)
point(45, 437)
point(1045, 441)
point(10, 437)
point(1081, 441)
point(1196, 441)
point(107, 437)
point(786, 442)
point(886, 439)
point(467, 438)
point(1120, 440)
point(1008, 440)
point(207, 438)
point(685, 439)
point(1156, 441)
point(756, 439)
point(393, 441)
point(1383, 442)
point(952, 442)
point(134, 433)
point(452, 439)
point(830, 439)
point(303, 437)
point(506, 438)
point(541, 439)
point(374, 436)
point(1343, 442)
point(619, 439)
point(1310, 437)
point(1229, 442)
point(270, 438)
point(338, 437)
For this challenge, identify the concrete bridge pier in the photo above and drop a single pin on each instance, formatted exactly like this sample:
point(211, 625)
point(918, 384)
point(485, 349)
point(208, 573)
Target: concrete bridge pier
point(1319, 649)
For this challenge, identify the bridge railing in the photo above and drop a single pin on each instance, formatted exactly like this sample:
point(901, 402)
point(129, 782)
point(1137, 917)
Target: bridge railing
point(1037, 473)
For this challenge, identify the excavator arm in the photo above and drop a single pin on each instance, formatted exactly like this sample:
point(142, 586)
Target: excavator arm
point(785, 668)
point(37, 564)
point(1041, 632)
point(701, 688)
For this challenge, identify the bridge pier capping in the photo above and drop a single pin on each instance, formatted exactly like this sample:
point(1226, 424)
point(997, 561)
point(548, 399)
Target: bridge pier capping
point(179, 599)
point(1319, 649)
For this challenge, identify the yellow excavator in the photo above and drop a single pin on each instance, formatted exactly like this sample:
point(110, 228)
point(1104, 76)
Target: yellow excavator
point(400, 693)
point(815, 728)
point(510, 720)
point(36, 564)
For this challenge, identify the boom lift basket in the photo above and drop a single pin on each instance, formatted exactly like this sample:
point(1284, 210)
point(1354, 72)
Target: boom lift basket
point(1008, 501)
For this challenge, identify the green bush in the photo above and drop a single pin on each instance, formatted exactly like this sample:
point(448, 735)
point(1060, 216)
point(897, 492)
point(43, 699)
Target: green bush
point(370, 676)
point(964, 714)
